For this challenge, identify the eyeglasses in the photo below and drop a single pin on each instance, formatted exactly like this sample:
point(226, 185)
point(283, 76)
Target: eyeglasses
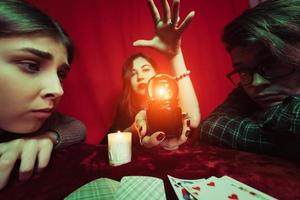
point(244, 76)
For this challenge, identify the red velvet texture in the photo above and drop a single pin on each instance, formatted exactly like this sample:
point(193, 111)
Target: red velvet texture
point(275, 176)
point(104, 31)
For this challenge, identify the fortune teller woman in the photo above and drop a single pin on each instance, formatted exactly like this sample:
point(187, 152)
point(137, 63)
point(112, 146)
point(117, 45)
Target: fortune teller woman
point(138, 69)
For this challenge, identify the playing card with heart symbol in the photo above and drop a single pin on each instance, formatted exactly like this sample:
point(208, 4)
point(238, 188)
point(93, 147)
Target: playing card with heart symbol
point(218, 188)
point(179, 186)
point(256, 194)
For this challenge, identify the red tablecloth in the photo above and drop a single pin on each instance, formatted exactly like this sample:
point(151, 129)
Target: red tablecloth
point(79, 164)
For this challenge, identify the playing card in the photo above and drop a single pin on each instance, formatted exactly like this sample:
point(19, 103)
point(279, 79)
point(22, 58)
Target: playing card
point(102, 188)
point(205, 189)
point(215, 188)
point(224, 188)
point(140, 187)
point(255, 194)
point(194, 187)
point(228, 191)
point(179, 187)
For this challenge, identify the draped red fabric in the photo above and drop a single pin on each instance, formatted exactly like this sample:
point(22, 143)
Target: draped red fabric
point(104, 31)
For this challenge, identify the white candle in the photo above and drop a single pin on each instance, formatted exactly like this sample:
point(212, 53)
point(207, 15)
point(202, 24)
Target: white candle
point(119, 148)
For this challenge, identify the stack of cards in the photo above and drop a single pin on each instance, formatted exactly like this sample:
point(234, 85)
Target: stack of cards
point(225, 188)
point(130, 187)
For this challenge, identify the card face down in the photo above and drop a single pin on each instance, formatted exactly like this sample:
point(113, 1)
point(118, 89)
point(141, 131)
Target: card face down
point(102, 188)
point(141, 187)
point(130, 187)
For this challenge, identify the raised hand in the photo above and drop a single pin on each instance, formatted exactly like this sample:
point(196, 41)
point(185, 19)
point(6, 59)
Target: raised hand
point(167, 28)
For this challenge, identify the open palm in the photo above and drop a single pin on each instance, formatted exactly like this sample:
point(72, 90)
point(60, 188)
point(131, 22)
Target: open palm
point(167, 29)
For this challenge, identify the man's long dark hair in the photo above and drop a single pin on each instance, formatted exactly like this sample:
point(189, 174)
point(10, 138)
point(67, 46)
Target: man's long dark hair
point(275, 24)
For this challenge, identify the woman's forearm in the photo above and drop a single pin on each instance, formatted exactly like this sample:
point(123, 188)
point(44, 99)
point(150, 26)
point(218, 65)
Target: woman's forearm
point(187, 97)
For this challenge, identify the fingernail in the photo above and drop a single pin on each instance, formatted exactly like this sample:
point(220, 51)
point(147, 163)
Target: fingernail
point(188, 122)
point(187, 133)
point(160, 136)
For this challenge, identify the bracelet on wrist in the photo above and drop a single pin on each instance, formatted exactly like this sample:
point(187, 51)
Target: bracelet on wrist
point(185, 74)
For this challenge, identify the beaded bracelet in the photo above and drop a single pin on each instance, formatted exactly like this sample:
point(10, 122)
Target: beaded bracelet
point(183, 75)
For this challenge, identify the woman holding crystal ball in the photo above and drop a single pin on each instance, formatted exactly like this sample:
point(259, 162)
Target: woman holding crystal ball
point(139, 69)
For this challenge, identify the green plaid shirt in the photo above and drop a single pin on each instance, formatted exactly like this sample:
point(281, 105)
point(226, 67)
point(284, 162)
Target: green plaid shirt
point(239, 123)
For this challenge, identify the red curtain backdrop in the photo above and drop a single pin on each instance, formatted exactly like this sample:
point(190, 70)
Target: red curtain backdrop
point(103, 32)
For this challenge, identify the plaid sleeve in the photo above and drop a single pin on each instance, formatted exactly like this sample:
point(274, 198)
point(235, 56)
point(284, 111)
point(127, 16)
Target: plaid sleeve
point(236, 132)
point(295, 118)
point(285, 119)
point(274, 128)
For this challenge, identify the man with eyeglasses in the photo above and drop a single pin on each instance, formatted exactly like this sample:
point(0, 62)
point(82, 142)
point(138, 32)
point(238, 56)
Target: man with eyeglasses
point(262, 114)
